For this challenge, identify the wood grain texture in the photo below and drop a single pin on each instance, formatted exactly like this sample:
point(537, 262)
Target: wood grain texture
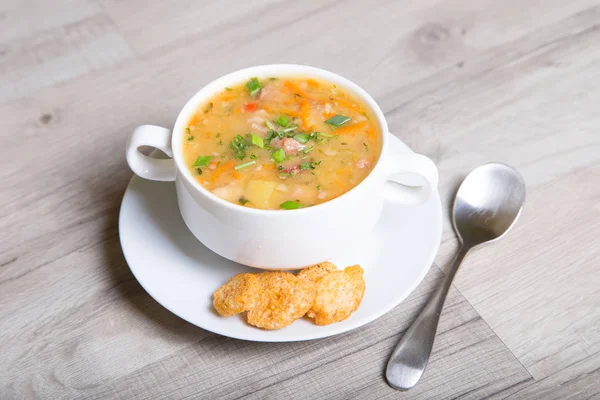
point(79, 40)
point(462, 82)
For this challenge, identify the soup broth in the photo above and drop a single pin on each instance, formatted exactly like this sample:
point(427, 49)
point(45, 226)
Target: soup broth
point(281, 143)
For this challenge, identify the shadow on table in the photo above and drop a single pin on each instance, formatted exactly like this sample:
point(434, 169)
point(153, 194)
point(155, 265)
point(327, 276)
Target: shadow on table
point(109, 190)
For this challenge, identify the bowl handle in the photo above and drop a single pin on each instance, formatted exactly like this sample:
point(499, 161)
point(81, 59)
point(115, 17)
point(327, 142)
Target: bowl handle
point(396, 187)
point(146, 167)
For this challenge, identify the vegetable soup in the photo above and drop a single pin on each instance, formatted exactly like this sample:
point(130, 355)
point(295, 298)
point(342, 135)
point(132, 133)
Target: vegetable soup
point(282, 143)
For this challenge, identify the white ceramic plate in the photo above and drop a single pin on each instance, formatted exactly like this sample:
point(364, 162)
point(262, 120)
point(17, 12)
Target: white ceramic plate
point(181, 274)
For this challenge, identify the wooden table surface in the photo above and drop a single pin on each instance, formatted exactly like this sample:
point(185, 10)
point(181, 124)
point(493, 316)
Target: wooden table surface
point(463, 82)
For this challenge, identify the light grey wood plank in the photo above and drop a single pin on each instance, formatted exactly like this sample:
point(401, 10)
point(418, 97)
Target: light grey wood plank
point(58, 54)
point(339, 367)
point(24, 18)
point(578, 381)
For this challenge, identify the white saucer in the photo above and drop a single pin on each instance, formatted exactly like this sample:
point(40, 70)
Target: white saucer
point(181, 274)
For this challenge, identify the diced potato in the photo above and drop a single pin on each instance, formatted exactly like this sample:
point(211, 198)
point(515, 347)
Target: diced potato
point(259, 193)
point(231, 192)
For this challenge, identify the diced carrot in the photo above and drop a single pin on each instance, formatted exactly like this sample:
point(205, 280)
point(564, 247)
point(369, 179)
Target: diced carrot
point(292, 87)
point(305, 112)
point(221, 169)
point(312, 82)
point(349, 104)
point(282, 111)
point(236, 175)
point(251, 107)
point(350, 129)
point(268, 166)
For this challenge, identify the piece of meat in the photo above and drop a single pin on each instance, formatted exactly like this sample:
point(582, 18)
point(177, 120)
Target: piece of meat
point(292, 146)
point(291, 169)
point(257, 121)
point(363, 163)
point(270, 92)
point(276, 143)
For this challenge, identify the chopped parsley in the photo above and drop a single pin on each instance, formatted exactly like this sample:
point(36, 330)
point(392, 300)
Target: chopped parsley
point(189, 132)
point(238, 145)
point(243, 200)
point(208, 107)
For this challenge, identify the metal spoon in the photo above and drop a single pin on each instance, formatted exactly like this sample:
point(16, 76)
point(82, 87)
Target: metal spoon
point(487, 205)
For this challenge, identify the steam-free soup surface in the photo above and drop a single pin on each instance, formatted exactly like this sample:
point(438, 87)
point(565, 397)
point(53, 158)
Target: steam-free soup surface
point(281, 143)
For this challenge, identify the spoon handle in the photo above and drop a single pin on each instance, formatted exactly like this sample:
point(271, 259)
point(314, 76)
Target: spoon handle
point(409, 359)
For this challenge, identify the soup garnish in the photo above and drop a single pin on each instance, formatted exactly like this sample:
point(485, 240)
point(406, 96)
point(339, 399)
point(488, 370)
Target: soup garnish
point(281, 144)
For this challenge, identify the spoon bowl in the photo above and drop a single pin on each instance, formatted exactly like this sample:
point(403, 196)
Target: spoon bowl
point(488, 203)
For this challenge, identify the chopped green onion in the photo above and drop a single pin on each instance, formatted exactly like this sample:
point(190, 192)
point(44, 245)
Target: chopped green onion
point(258, 141)
point(201, 161)
point(253, 156)
point(253, 86)
point(208, 107)
point(283, 121)
point(190, 137)
point(338, 120)
point(306, 165)
point(244, 165)
point(290, 205)
point(301, 137)
point(318, 187)
point(280, 167)
point(270, 125)
point(305, 157)
point(281, 134)
point(290, 128)
point(327, 135)
point(308, 149)
point(243, 200)
point(279, 155)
